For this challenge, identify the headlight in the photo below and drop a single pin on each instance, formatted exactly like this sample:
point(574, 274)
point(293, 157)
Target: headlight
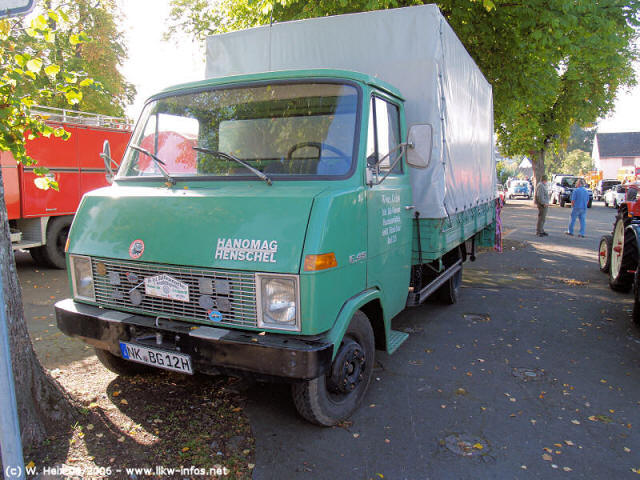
point(82, 277)
point(278, 304)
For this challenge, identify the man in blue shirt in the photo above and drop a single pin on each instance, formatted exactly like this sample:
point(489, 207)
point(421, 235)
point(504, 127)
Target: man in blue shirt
point(579, 202)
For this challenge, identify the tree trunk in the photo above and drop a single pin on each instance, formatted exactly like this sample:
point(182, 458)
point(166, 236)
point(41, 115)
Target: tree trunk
point(537, 161)
point(43, 407)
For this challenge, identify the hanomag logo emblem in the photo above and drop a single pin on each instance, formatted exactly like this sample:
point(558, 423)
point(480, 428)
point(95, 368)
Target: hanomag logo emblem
point(136, 249)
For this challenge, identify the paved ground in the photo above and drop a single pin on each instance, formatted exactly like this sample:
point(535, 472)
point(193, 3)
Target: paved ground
point(534, 373)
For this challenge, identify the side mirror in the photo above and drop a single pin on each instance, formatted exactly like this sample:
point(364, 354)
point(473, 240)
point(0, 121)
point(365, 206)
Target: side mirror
point(421, 140)
point(108, 161)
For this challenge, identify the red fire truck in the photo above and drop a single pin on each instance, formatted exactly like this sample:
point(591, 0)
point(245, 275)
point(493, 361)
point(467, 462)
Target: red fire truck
point(40, 219)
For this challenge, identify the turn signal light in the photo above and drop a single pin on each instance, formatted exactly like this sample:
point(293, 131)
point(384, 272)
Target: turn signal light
point(314, 263)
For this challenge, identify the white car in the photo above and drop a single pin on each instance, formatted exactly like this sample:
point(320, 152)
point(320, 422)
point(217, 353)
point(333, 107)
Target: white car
point(614, 196)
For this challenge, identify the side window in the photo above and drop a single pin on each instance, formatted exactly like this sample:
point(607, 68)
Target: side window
point(388, 131)
point(383, 134)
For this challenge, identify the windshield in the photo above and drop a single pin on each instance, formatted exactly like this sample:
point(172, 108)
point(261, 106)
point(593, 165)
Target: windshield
point(571, 181)
point(282, 130)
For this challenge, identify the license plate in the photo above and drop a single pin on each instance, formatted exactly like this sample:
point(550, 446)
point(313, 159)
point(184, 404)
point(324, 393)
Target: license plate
point(178, 362)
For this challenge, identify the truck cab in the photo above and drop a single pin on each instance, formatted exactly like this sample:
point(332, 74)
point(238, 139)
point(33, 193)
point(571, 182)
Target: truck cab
point(251, 220)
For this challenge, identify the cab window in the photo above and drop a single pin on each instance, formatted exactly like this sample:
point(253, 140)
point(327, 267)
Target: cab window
point(383, 134)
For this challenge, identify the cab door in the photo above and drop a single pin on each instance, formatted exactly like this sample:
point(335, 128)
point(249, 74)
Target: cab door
point(389, 210)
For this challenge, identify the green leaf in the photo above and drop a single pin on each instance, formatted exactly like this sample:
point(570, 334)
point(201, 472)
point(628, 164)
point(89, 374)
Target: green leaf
point(34, 65)
point(39, 23)
point(74, 39)
point(41, 171)
point(42, 183)
point(53, 16)
point(73, 96)
point(27, 101)
point(86, 82)
point(52, 70)
point(61, 132)
point(21, 59)
point(49, 36)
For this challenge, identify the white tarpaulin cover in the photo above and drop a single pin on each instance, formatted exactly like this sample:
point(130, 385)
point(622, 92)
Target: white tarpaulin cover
point(415, 50)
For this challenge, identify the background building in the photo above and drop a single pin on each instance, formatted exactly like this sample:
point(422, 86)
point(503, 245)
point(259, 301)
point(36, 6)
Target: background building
point(612, 151)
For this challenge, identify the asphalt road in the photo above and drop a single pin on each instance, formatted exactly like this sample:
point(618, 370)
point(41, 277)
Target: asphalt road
point(534, 373)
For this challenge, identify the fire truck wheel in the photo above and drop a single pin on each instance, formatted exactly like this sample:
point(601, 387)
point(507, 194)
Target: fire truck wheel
point(624, 258)
point(604, 253)
point(57, 232)
point(38, 256)
point(331, 398)
point(119, 365)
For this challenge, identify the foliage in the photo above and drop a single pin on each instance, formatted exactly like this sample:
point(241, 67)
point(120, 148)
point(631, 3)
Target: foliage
point(86, 41)
point(552, 63)
point(504, 171)
point(581, 138)
point(28, 77)
point(577, 162)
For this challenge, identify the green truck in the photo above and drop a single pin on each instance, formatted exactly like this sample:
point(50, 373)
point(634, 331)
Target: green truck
point(274, 218)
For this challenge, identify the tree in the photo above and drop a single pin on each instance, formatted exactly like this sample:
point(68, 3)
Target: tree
point(43, 407)
point(552, 63)
point(86, 40)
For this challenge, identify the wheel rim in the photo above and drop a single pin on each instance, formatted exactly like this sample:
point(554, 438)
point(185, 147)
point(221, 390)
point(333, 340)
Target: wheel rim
point(603, 253)
point(617, 249)
point(347, 371)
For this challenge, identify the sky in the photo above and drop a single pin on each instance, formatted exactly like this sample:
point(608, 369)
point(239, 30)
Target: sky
point(154, 64)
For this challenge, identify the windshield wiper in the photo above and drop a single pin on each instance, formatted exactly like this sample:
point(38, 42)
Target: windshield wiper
point(227, 156)
point(159, 163)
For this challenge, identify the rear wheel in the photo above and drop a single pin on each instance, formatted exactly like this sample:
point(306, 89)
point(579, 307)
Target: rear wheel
point(333, 397)
point(636, 299)
point(52, 253)
point(604, 253)
point(119, 365)
point(624, 258)
point(449, 293)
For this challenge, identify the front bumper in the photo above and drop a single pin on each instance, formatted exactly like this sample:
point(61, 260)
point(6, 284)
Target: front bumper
point(210, 348)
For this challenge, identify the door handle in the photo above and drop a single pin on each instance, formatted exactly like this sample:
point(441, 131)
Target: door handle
point(409, 207)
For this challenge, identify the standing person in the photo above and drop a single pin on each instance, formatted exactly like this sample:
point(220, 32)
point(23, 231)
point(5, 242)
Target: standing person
point(542, 201)
point(579, 202)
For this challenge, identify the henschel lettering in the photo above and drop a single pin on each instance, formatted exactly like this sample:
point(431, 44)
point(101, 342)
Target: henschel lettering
point(246, 250)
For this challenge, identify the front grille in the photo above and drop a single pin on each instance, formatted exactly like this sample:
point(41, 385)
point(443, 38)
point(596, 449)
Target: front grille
point(120, 284)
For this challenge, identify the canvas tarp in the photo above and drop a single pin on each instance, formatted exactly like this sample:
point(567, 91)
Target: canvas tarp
point(415, 50)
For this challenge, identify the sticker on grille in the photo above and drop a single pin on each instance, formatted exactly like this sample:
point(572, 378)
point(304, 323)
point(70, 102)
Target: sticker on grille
point(215, 297)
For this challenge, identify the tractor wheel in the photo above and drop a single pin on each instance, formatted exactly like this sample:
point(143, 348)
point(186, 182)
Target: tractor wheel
point(624, 258)
point(604, 253)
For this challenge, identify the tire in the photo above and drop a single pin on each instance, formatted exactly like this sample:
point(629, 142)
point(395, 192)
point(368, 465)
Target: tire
point(590, 203)
point(561, 202)
point(119, 365)
point(449, 292)
point(605, 203)
point(635, 315)
point(604, 253)
point(554, 200)
point(624, 257)
point(52, 254)
point(323, 400)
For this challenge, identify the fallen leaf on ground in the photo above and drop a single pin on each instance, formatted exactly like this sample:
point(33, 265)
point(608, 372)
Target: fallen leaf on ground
point(547, 457)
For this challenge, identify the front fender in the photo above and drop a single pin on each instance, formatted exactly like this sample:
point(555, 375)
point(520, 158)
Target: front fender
point(347, 311)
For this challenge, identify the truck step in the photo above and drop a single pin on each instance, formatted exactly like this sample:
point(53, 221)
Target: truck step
point(395, 339)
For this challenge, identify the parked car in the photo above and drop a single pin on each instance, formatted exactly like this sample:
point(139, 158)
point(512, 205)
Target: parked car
point(561, 188)
point(519, 188)
point(614, 196)
point(603, 186)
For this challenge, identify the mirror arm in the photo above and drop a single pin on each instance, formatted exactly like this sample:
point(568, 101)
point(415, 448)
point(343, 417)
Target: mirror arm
point(401, 147)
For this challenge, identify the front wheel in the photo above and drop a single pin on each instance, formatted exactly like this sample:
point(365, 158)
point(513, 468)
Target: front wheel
point(561, 202)
point(52, 254)
point(331, 398)
point(604, 253)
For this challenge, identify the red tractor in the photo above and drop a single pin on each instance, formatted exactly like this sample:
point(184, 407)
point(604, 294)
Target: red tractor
point(618, 253)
